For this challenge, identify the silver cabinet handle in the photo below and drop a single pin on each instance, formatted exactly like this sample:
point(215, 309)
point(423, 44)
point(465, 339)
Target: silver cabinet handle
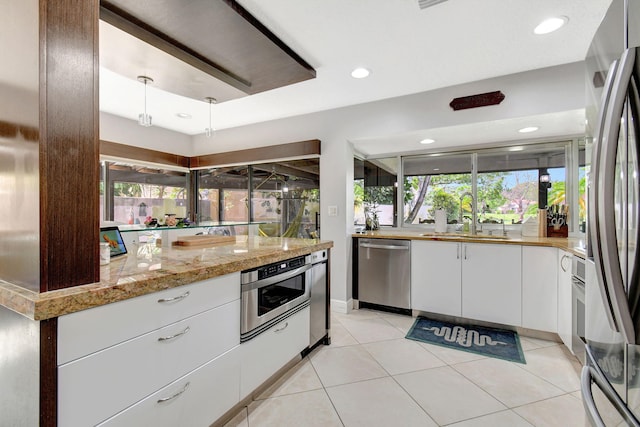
point(170, 337)
point(562, 262)
point(465, 251)
point(177, 394)
point(390, 247)
point(178, 298)
point(281, 329)
point(457, 250)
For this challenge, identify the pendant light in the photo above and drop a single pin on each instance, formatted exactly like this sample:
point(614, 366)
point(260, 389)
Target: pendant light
point(209, 131)
point(144, 119)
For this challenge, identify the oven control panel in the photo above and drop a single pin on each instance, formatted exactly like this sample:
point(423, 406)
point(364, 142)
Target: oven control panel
point(270, 270)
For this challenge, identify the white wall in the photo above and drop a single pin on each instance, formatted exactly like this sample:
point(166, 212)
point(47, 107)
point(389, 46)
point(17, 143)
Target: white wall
point(129, 132)
point(535, 92)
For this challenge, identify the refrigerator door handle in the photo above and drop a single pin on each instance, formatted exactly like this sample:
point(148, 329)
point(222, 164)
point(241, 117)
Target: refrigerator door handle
point(594, 223)
point(606, 199)
point(589, 375)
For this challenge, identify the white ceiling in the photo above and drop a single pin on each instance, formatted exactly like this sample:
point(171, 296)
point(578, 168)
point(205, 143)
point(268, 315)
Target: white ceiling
point(408, 50)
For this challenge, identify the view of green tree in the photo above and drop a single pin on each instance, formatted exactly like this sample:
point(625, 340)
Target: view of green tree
point(379, 195)
point(491, 191)
point(125, 189)
point(440, 199)
point(358, 192)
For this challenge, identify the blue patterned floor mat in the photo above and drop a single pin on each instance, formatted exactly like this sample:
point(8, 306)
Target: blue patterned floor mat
point(492, 342)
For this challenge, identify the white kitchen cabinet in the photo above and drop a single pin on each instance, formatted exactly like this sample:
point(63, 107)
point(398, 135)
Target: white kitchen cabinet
point(114, 356)
point(95, 387)
point(491, 283)
point(436, 277)
point(540, 288)
point(88, 331)
point(564, 297)
point(195, 400)
point(265, 354)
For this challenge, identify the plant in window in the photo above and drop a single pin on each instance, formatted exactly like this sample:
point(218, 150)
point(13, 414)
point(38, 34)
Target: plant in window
point(371, 212)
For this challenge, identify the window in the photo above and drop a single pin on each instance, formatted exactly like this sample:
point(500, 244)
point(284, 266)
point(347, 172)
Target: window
point(134, 193)
point(512, 185)
point(283, 197)
point(434, 182)
point(502, 185)
point(223, 194)
point(375, 190)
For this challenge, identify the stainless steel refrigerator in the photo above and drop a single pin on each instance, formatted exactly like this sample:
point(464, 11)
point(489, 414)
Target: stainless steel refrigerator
point(611, 375)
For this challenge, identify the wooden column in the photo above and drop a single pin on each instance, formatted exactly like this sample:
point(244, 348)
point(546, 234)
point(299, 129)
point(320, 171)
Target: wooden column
point(69, 143)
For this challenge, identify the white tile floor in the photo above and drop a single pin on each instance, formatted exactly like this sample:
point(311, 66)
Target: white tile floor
point(372, 376)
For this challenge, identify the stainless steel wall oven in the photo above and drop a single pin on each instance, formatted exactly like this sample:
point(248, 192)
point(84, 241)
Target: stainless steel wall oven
point(271, 293)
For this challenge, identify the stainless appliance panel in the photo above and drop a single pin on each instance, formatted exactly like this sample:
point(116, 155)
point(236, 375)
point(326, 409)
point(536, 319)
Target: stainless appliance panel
point(265, 301)
point(612, 291)
point(318, 327)
point(578, 310)
point(384, 272)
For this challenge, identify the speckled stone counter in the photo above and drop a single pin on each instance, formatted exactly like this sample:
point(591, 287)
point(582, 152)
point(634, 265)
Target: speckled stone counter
point(572, 245)
point(148, 268)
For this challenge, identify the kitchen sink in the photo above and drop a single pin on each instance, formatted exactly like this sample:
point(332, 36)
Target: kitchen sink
point(466, 236)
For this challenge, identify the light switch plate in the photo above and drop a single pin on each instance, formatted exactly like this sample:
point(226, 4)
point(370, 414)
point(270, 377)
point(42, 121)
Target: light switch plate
point(333, 211)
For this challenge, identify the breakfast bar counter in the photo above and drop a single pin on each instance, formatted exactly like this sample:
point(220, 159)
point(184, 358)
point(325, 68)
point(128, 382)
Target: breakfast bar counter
point(149, 268)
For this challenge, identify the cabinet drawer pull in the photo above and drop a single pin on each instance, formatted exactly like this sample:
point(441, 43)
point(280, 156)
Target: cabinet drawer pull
point(281, 329)
point(178, 298)
point(170, 337)
point(562, 262)
point(177, 394)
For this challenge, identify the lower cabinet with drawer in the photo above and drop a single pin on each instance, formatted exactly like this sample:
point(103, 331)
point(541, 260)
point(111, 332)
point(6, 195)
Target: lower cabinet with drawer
point(197, 399)
point(122, 367)
point(265, 354)
point(172, 358)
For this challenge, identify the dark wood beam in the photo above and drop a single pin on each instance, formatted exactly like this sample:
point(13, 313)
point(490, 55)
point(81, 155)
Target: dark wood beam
point(68, 143)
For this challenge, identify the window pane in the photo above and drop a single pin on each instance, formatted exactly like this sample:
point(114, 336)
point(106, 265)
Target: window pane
point(437, 182)
point(141, 193)
point(286, 197)
point(375, 190)
point(509, 181)
point(223, 194)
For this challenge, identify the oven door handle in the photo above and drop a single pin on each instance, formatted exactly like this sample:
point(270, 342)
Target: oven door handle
point(275, 279)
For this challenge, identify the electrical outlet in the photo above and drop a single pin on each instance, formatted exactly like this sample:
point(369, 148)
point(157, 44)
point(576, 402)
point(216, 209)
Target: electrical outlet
point(333, 211)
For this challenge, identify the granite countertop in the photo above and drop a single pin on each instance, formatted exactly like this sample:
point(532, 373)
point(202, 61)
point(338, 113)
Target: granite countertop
point(148, 268)
point(569, 244)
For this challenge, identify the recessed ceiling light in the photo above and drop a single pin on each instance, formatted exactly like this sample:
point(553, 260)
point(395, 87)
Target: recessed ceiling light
point(436, 169)
point(427, 141)
point(516, 148)
point(184, 115)
point(528, 129)
point(360, 73)
point(550, 25)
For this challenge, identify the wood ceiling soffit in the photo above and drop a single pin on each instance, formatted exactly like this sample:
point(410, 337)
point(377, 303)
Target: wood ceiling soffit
point(123, 151)
point(253, 155)
point(218, 37)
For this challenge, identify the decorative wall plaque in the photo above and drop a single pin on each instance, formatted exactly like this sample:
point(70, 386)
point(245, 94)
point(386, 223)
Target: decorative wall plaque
point(474, 101)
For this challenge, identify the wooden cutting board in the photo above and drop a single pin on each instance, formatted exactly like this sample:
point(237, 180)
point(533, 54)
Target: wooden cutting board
point(204, 240)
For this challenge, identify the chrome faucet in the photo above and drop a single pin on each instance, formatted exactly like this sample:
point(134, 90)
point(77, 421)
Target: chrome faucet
point(474, 218)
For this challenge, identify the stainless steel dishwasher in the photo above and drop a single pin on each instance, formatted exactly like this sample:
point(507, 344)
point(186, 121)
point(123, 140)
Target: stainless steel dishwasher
point(384, 272)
